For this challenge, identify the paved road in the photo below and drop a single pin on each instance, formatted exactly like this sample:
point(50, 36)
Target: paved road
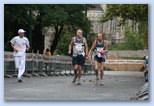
point(117, 86)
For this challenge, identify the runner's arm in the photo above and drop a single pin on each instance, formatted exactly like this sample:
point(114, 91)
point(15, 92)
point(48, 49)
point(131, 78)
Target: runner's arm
point(86, 49)
point(92, 48)
point(12, 45)
point(28, 47)
point(27, 44)
point(12, 41)
point(106, 47)
point(70, 47)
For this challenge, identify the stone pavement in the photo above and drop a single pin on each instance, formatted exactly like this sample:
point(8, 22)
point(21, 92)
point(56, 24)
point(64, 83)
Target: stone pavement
point(118, 86)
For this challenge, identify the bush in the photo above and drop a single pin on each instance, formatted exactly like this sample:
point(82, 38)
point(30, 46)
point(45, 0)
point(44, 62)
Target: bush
point(132, 41)
point(62, 47)
point(119, 46)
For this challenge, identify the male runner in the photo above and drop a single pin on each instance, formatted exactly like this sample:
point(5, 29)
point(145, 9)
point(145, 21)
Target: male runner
point(20, 44)
point(80, 50)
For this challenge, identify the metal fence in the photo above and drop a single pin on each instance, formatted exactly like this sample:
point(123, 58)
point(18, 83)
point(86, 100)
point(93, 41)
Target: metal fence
point(37, 65)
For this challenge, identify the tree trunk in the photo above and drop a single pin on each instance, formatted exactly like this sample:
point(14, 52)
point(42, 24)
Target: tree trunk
point(58, 32)
point(38, 38)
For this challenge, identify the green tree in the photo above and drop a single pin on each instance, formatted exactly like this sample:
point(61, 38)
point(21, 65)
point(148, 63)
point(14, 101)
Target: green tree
point(63, 15)
point(133, 41)
point(62, 47)
point(34, 17)
point(15, 17)
point(138, 13)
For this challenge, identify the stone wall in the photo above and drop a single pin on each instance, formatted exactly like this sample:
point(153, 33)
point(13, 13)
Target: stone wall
point(124, 67)
point(126, 53)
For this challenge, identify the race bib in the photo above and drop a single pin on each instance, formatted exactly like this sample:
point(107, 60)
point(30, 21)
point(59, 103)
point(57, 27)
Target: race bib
point(80, 49)
point(100, 52)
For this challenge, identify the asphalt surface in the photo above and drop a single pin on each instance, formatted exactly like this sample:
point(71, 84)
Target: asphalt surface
point(118, 86)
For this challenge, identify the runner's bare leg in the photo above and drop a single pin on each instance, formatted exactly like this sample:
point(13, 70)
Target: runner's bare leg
point(79, 73)
point(75, 73)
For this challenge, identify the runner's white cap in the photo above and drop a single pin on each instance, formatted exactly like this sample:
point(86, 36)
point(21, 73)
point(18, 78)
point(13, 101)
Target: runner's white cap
point(21, 31)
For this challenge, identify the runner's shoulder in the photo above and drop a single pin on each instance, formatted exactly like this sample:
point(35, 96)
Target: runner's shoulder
point(15, 37)
point(84, 40)
point(25, 38)
point(73, 38)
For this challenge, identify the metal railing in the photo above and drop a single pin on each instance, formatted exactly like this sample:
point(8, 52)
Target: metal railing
point(38, 65)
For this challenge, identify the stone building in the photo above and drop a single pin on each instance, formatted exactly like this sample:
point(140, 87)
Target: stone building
point(95, 15)
point(49, 36)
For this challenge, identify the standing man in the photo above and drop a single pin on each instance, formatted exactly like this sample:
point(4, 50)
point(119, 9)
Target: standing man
point(79, 47)
point(20, 44)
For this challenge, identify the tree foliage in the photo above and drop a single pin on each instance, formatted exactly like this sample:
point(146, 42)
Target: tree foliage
point(34, 17)
point(15, 17)
point(135, 12)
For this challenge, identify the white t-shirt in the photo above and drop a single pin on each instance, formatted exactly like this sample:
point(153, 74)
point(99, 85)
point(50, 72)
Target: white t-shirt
point(20, 44)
